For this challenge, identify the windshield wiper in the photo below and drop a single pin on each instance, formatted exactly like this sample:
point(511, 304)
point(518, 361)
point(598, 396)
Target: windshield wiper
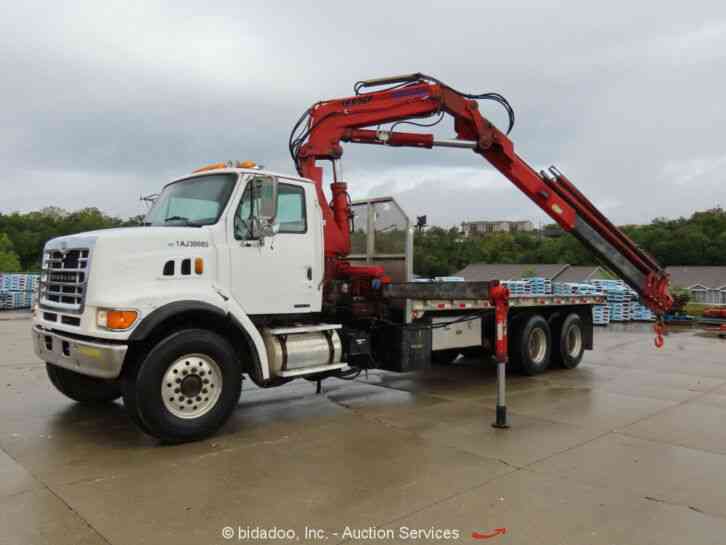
point(185, 220)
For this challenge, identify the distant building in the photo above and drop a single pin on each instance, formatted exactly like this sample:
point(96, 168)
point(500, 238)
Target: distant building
point(557, 272)
point(580, 274)
point(705, 284)
point(481, 228)
point(498, 271)
point(552, 231)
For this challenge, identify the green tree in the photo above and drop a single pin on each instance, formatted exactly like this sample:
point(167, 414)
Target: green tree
point(698, 240)
point(9, 261)
point(30, 231)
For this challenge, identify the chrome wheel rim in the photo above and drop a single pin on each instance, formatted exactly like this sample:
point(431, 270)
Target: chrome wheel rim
point(574, 341)
point(192, 386)
point(537, 345)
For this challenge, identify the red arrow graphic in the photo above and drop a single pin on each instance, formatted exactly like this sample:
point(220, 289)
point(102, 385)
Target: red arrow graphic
point(495, 533)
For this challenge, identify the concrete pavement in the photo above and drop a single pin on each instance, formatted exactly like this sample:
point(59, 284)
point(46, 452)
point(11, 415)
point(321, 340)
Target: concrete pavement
point(629, 448)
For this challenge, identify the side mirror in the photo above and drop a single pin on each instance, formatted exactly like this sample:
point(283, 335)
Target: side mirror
point(262, 228)
point(264, 195)
point(264, 209)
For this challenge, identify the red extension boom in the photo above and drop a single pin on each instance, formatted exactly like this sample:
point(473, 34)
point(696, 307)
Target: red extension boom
point(345, 120)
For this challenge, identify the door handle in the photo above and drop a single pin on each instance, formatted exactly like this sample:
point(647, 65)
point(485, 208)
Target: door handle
point(309, 272)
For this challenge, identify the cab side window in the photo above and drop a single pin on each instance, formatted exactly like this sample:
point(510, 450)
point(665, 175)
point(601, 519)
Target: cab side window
point(291, 215)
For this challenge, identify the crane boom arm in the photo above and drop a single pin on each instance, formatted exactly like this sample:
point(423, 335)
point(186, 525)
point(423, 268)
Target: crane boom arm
point(417, 96)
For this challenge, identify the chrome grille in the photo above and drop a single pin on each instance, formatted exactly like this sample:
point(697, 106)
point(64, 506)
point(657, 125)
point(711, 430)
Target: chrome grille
point(63, 279)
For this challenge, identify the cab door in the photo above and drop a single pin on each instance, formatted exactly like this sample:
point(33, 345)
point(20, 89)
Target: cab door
point(280, 271)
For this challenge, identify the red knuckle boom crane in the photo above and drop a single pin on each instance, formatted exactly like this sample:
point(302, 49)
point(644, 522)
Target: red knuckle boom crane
point(280, 314)
point(322, 128)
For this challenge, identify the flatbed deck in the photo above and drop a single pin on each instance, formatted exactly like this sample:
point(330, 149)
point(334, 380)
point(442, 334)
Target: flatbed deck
point(422, 297)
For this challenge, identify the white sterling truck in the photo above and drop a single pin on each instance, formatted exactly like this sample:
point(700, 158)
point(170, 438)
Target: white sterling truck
point(238, 271)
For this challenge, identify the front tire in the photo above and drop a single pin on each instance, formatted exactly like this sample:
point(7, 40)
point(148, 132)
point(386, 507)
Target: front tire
point(186, 387)
point(82, 388)
point(530, 346)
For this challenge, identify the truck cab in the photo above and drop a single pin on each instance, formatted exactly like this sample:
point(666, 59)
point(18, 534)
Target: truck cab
point(217, 250)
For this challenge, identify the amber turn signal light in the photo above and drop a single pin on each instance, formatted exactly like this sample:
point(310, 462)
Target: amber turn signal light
point(116, 319)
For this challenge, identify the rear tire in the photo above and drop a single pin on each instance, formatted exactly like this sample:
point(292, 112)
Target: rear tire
point(570, 346)
point(186, 387)
point(82, 388)
point(531, 345)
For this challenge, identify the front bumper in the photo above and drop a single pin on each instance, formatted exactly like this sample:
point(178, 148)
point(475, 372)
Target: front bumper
point(96, 359)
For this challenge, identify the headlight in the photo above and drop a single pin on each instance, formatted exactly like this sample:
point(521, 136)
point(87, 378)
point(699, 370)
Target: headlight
point(114, 319)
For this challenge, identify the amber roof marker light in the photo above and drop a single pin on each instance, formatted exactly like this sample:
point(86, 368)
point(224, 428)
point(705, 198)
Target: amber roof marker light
point(227, 164)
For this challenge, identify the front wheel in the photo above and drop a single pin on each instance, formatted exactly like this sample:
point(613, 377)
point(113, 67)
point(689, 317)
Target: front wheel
point(82, 388)
point(186, 387)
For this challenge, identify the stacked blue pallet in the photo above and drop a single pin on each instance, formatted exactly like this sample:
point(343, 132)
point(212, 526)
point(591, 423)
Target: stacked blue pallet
point(18, 281)
point(15, 299)
point(600, 314)
point(16, 290)
point(625, 302)
point(619, 302)
point(622, 302)
point(604, 284)
point(516, 287)
point(618, 296)
point(587, 289)
point(639, 312)
point(575, 288)
point(537, 285)
point(562, 288)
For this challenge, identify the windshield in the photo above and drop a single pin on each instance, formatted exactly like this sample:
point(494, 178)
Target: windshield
point(194, 201)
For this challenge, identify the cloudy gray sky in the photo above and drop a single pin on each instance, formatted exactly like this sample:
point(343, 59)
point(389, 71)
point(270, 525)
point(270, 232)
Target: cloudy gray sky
point(104, 101)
